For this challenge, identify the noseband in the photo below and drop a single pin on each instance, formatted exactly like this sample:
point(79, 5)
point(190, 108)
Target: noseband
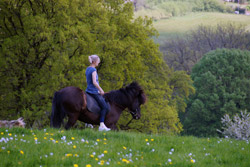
point(134, 113)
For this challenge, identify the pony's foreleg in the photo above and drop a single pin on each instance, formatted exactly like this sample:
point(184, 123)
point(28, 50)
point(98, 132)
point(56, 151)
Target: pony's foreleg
point(71, 121)
point(114, 127)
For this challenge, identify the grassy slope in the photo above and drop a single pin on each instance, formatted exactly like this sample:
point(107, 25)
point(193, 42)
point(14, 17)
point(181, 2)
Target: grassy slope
point(83, 147)
point(180, 25)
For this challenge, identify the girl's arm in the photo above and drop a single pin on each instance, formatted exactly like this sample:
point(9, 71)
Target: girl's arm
point(96, 84)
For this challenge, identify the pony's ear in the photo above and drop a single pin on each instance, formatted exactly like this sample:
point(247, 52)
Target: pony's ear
point(134, 84)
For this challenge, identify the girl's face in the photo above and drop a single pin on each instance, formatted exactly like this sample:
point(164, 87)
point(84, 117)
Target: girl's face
point(96, 63)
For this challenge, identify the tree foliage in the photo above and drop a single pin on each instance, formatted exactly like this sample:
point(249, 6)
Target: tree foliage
point(45, 46)
point(221, 80)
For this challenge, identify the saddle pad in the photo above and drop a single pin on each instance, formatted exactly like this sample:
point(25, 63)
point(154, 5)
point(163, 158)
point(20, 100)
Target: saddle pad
point(93, 106)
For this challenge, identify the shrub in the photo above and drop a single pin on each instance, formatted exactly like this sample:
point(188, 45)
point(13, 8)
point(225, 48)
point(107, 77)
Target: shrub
point(238, 127)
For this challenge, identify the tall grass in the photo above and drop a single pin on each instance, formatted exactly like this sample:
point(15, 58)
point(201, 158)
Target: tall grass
point(73, 148)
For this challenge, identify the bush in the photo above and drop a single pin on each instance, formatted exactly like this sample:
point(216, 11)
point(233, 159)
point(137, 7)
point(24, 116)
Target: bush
point(238, 127)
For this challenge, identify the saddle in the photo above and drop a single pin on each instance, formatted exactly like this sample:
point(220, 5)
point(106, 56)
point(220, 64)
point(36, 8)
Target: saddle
point(93, 106)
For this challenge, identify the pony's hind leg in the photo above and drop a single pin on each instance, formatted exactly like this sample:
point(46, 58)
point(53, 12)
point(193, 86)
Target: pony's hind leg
point(71, 121)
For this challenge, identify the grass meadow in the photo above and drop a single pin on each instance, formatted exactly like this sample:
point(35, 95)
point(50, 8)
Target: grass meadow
point(181, 25)
point(90, 148)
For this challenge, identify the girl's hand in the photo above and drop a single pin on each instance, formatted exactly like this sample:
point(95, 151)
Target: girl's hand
point(102, 92)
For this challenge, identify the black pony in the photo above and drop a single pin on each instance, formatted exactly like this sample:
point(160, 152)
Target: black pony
point(71, 101)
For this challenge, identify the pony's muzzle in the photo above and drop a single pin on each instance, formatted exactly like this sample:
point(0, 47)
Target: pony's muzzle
point(136, 114)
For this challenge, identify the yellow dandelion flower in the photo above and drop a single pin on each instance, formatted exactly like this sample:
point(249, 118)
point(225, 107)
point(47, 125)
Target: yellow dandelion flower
point(105, 152)
point(8, 152)
point(75, 165)
point(192, 161)
point(170, 163)
point(51, 139)
point(152, 139)
point(102, 162)
point(72, 138)
point(56, 141)
point(118, 163)
point(87, 142)
point(92, 156)
point(45, 138)
point(104, 134)
point(51, 134)
point(124, 160)
point(35, 138)
point(98, 140)
point(88, 165)
point(10, 134)
point(96, 159)
point(104, 143)
point(2, 133)
point(146, 139)
point(62, 131)
point(124, 147)
point(104, 139)
point(69, 155)
point(46, 133)
point(74, 146)
point(34, 135)
point(21, 152)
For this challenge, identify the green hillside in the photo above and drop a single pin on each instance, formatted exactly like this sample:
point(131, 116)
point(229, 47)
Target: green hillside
point(90, 148)
point(178, 17)
point(168, 28)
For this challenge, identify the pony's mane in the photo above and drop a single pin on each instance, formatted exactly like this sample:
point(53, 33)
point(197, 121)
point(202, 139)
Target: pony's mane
point(127, 94)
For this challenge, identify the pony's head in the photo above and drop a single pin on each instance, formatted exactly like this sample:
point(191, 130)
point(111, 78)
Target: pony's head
point(136, 97)
point(131, 97)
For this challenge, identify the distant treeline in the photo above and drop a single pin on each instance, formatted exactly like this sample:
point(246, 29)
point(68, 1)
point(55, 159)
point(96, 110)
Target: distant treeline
point(169, 8)
point(182, 53)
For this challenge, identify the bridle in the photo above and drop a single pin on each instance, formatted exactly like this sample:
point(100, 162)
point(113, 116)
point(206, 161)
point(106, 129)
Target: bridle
point(134, 114)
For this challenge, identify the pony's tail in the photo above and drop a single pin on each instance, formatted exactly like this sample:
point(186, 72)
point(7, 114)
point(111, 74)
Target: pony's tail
point(56, 116)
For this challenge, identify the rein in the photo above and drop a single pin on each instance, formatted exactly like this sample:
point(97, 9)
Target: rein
point(120, 106)
point(130, 121)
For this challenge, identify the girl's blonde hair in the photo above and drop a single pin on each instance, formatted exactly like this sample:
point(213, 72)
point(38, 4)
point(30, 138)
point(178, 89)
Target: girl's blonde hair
point(94, 58)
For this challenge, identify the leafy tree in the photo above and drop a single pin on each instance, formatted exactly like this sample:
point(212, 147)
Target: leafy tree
point(45, 46)
point(221, 80)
